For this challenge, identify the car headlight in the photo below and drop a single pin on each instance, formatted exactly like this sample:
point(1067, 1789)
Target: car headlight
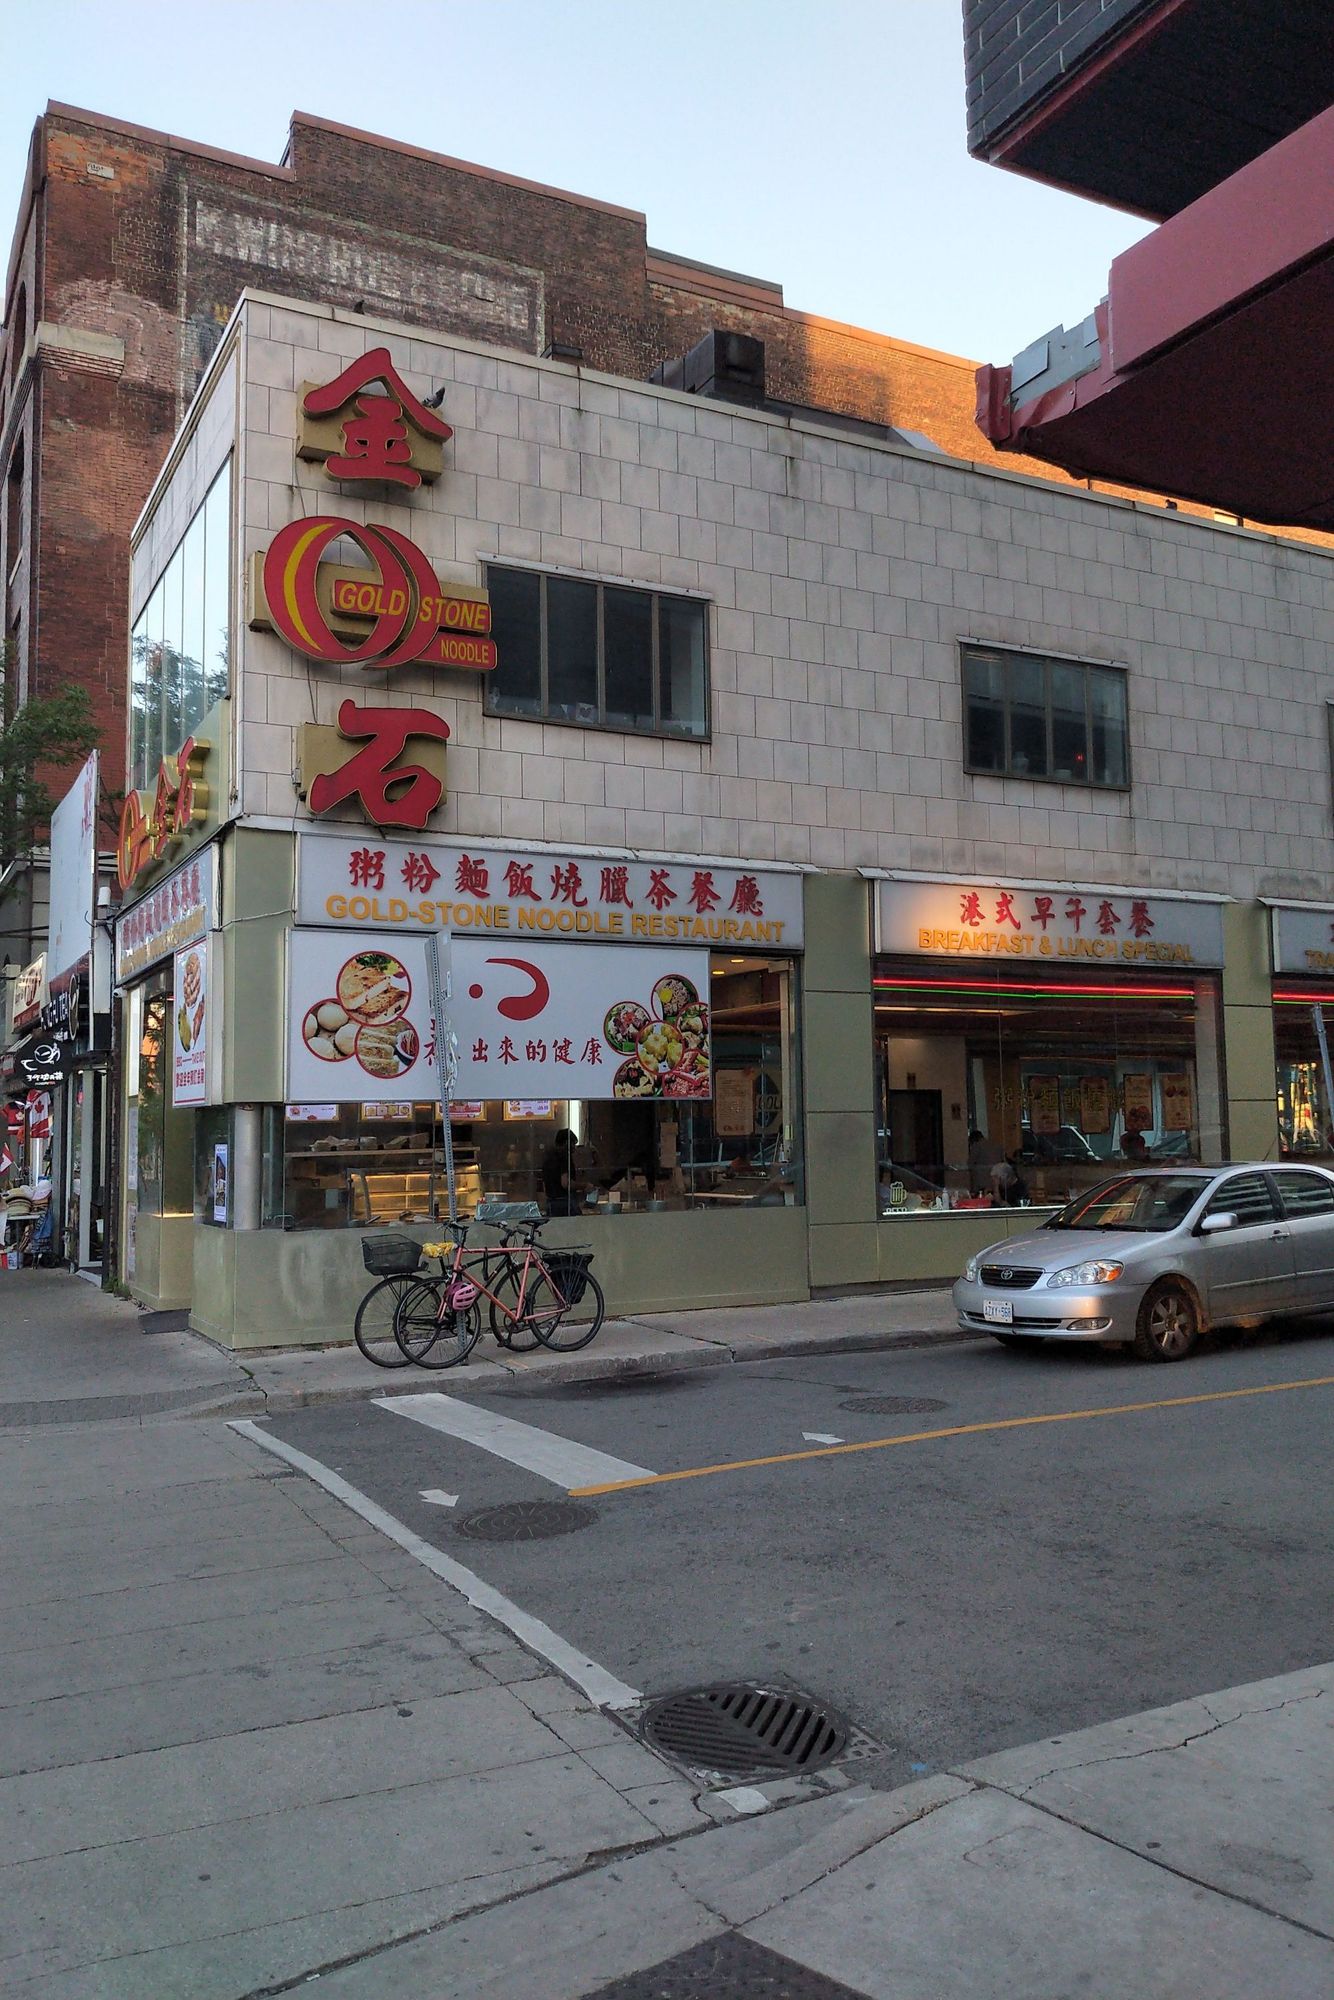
point(1086, 1274)
point(970, 1271)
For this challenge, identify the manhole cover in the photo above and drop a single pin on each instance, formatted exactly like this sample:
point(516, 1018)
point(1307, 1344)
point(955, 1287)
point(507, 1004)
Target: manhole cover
point(894, 1406)
point(526, 1521)
point(739, 1730)
point(726, 1968)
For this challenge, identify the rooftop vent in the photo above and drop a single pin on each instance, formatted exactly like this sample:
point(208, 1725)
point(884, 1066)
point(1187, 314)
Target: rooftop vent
point(728, 366)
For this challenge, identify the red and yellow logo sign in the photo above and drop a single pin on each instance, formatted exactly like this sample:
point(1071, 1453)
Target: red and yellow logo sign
point(152, 822)
point(393, 614)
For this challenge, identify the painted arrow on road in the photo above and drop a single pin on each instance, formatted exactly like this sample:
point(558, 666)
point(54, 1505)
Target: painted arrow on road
point(435, 1496)
point(821, 1437)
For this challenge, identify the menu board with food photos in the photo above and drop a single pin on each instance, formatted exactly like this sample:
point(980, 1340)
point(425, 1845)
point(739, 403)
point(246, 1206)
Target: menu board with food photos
point(541, 1021)
point(189, 1026)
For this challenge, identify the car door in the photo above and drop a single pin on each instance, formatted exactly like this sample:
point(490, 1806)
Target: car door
point(1247, 1270)
point(1308, 1207)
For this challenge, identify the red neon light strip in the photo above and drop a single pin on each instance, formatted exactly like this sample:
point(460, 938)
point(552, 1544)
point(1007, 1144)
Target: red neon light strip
point(1325, 999)
point(1035, 991)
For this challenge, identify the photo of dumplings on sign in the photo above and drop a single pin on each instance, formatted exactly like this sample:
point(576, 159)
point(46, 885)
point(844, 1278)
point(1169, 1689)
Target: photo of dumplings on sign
point(362, 1019)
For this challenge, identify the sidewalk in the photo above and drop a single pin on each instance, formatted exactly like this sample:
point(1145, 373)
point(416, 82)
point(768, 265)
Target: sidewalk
point(248, 1743)
point(117, 1366)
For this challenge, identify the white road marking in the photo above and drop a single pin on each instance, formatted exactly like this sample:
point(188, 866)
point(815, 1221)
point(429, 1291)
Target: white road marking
point(555, 1458)
point(601, 1687)
point(435, 1496)
point(821, 1437)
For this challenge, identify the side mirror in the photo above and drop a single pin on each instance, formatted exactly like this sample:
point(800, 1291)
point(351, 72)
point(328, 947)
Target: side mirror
point(1212, 1224)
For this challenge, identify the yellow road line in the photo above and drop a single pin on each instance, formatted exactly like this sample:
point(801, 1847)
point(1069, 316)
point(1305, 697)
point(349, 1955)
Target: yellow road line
point(955, 1430)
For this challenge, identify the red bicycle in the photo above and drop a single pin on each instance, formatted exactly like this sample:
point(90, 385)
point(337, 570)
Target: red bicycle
point(531, 1293)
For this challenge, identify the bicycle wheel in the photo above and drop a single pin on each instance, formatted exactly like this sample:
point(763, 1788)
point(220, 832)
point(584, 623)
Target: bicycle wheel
point(429, 1339)
point(373, 1327)
point(561, 1333)
point(516, 1334)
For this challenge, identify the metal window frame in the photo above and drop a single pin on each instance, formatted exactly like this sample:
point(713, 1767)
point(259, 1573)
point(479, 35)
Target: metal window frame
point(656, 599)
point(980, 648)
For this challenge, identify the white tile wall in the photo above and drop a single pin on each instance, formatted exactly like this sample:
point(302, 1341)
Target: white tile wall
point(843, 576)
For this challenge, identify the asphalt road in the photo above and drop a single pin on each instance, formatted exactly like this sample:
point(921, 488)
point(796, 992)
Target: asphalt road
point(954, 1595)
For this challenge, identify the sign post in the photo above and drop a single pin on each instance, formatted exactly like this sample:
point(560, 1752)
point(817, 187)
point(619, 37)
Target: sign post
point(440, 979)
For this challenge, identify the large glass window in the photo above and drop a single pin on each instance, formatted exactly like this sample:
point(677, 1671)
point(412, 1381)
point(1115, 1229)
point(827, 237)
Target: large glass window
point(180, 649)
point(1004, 1088)
point(330, 1166)
point(1303, 1041)
point(596, 654)
point(1026, 716)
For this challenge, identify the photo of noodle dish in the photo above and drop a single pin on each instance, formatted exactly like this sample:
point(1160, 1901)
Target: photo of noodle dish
point(374, 986)
point(387, 1050)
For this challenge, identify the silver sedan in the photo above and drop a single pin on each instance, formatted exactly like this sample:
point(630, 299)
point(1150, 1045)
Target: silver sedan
point(1151, 1259)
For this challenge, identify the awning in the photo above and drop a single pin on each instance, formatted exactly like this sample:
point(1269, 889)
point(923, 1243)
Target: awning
point(1208, 371)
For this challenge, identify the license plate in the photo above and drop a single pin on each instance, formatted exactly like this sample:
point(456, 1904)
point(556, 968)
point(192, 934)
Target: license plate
point(1000, 1312)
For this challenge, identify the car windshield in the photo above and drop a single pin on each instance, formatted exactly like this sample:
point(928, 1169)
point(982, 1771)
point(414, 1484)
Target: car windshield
point(1150, 1202)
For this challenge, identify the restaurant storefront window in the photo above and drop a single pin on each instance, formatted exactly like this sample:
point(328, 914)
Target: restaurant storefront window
point(345, 1164)
point(1009, 1075)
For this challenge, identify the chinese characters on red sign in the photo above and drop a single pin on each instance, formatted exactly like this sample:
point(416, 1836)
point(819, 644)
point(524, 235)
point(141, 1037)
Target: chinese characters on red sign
point(152, 822)
point(390, 791)
point(1006, 908)
point(388, 439)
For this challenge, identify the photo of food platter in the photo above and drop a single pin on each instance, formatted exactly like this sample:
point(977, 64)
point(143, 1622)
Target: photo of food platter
point(666, 1047)
point(363, 1017)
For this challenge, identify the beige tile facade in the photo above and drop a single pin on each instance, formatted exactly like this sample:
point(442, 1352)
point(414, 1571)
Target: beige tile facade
point(841, 577)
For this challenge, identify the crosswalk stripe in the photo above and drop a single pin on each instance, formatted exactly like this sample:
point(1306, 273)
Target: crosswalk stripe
point(557, 1459)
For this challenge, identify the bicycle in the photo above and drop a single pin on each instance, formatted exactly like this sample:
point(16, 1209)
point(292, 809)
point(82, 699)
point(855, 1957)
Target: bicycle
point(439, 1321)
point(395, 1261)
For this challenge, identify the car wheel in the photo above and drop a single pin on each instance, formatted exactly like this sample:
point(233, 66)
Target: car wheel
point(1169, 1323)
point(1026, 1340)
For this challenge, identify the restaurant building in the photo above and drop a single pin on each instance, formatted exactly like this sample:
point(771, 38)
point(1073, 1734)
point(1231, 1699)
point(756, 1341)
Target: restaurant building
point(838, 843)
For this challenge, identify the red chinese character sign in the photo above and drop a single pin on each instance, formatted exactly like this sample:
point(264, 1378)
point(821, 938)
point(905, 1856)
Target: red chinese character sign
point(151, 822)
point(962, 921)
point(544, 1020)
point(381, 777)
point(522, 896)
point(369, 428)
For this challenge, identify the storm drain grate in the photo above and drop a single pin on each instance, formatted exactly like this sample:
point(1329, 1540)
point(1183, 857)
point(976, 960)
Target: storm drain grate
point(726, 1968)
point(526, 1521)
point(893, 1406)
point(739, 1730)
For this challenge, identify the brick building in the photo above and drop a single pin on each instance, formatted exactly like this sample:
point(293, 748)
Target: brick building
point(131, 248)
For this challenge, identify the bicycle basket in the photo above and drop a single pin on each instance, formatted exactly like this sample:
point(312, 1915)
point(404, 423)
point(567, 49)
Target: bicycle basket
point(569, 1270)
point(391, 1255)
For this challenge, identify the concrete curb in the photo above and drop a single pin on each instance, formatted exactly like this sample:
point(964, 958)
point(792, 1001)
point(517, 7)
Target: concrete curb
point(578, 1368)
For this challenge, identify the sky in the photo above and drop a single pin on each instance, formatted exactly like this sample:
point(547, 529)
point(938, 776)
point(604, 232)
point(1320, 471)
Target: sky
point(816, 143)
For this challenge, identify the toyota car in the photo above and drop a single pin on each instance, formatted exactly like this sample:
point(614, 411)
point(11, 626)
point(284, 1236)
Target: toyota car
point(1151, 1259)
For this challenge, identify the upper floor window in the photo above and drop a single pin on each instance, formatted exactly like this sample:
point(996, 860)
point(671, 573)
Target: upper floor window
point(1027, 716)
point(180, 648)
point(597, 654)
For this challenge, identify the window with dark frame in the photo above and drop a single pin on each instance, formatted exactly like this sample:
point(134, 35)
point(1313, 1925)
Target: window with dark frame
point(598, 655)
point(1062, 722)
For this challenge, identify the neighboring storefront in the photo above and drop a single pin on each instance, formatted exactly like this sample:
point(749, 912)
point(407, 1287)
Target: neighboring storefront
point(1303, 995)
